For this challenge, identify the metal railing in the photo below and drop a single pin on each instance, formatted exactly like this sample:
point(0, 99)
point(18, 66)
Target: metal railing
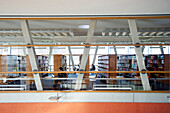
point(13, 87)
point(49, 83)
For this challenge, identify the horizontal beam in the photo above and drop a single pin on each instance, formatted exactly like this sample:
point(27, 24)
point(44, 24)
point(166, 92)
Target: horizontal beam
point(86, 45)
point(85, 17)
point(83, 91)
point(83, 39)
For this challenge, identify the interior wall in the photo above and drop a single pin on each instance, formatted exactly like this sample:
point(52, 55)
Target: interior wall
point(85, 97)
point(85, 107)
point(84, 7)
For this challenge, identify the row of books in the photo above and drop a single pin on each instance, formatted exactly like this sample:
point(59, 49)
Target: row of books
point(162, 61)
point(103, 57)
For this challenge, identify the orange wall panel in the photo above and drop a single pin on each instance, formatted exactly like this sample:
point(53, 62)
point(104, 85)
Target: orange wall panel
point(85, 107)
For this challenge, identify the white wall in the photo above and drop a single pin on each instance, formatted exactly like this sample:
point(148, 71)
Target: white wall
point(85, 97)
point(84, 7)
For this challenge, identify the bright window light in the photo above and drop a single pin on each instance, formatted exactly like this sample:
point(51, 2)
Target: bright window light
point(83, 26)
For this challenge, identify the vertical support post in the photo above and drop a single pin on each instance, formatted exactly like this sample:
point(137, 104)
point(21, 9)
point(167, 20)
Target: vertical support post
point(71, 56)
point(10, 50)
point(85, 54)
point(162, 50)
point(24, 51)
point(139, 55)
point(49, 57)
point(95, 54)
point(114, 47)
point(31, 53)
point(143, 49)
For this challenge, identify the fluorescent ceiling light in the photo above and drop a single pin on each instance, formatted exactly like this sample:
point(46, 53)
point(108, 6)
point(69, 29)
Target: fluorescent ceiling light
point(83, 26)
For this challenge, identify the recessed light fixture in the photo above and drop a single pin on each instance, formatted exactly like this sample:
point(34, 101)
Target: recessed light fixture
point(83, 26)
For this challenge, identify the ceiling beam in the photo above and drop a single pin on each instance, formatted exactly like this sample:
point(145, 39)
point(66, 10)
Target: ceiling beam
point(166, 33)
point(145, 33)
point(96, 39)
point(152, 33)
point(159, 33)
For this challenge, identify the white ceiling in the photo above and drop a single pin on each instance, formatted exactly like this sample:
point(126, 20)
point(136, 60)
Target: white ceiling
point(106, 30)
point(102, 25)
point(67, 31)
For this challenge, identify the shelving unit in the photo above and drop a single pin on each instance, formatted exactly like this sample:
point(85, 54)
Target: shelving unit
point(107, 63)
point(60, 61)
point(86, 75)
point(13, 63)
point(158, 63)
point(127, 63)
point(42, 64)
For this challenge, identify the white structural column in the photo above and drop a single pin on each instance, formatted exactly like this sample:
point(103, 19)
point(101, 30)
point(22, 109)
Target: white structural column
point(143, 49)
point(50, 55)
point(71, 56)
point(24, 51)
point(162, 50)
point(31, 53)
point(85, 54)
point(95, 54)
point(114, 47)
point(139, 55)
point(10, 50)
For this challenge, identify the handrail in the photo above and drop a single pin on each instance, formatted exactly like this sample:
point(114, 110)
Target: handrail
point(87, 17)
point(32, 72)
point(84, 78)
point(83, 91)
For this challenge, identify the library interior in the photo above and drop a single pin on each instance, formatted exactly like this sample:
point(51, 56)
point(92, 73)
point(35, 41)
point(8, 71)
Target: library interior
point(82, 56)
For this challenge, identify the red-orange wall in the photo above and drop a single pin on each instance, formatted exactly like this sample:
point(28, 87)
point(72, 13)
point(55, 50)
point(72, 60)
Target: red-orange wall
point(84, 107)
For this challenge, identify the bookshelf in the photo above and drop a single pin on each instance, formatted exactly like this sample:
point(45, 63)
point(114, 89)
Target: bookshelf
point(127, 63)
point(42, 64)
point(107, 63)
point(86, 75)
point(158, 63)
point(13, 63)
point(60, 61)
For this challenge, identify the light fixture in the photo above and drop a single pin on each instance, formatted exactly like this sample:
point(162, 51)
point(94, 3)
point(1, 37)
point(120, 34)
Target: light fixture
point(83, 26)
